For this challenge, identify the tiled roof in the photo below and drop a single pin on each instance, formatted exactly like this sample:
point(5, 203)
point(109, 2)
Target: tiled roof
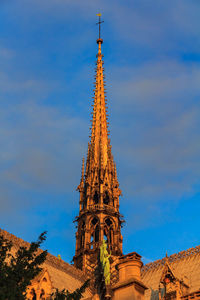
point(185, 264)
point(62, 274)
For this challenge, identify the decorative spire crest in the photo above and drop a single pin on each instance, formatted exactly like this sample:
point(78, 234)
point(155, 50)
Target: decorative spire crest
point(99, 23)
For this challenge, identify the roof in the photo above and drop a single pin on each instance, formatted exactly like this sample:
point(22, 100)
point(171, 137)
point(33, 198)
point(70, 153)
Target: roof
point(185, 264)
point(62, 274)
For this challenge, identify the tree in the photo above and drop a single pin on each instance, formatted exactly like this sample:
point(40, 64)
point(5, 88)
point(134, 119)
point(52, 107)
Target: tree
point(66, 295)
point(18, 269)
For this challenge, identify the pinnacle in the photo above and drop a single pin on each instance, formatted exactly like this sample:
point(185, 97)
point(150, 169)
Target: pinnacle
point(99, 131)
point(99, 155)
point(98, 189)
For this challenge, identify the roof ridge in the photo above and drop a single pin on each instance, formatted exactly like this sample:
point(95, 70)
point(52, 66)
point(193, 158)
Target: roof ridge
point(64, 266)
point(174, 257)
point(51, 259)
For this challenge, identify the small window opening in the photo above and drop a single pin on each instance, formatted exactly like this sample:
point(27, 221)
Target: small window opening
point(108, 230)
point(105, 236)
point(82, 233)
point(96, 234)
point(108, 222)
point(83, 225)
point(94, 231)
point(94, 221)
point(106, 198)
point(42, 295)
point(33, 294)
point(91, 239)
point(96, 198)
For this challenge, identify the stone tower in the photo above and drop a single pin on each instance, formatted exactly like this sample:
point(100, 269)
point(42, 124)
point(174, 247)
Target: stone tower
point(99, 216)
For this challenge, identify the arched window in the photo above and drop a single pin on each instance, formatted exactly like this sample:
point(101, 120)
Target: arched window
point(33, 294)
point(94, 227)
point(108, 222)
point(94, 221)
point(42, 295)
point(108, 230)
point(96, 198)
point(96, 234)
point(106, 198)
point(82, 233)
point(105, 236)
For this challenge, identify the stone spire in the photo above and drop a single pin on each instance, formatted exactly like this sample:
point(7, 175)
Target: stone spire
point(99, 218)
point(99, 148)
point(99, 132)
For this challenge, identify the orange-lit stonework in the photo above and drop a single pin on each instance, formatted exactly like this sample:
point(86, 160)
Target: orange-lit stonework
point(129, 285)
point(99, 216)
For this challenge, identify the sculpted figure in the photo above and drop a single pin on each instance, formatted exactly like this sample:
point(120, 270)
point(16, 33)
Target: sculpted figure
point(104, 258)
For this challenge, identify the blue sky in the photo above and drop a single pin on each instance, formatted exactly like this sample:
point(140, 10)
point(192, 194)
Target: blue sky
point(152, 67)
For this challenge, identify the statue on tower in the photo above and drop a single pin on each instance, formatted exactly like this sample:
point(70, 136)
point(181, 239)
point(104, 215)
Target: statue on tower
point(104, 259)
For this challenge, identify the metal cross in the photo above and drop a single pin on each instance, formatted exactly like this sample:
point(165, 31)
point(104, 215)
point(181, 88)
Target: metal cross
point(99, 23)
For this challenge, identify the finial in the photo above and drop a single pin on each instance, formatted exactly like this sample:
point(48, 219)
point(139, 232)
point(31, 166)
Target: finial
point(99, 23)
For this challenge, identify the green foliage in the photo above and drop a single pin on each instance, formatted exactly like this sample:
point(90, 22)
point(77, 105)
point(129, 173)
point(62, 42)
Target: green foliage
point(66, 295)
point(18, 269)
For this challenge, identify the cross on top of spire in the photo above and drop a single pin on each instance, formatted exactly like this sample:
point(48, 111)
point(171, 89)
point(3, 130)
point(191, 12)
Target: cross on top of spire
point(99, 23)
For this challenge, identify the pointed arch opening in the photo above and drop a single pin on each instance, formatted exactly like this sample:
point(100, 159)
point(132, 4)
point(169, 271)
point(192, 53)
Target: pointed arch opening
point(95, 232)
point(42, 295)
point(105, 236)
point(108, 231)
point(96, 198)
point(82, 234)
point(94, 221)
point(33, 294)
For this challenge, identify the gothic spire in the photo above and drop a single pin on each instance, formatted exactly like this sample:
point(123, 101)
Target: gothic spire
point(99, 134)
point(99, 216)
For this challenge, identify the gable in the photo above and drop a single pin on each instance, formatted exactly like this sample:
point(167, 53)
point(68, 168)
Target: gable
point(57, 273)
point(185, 265)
